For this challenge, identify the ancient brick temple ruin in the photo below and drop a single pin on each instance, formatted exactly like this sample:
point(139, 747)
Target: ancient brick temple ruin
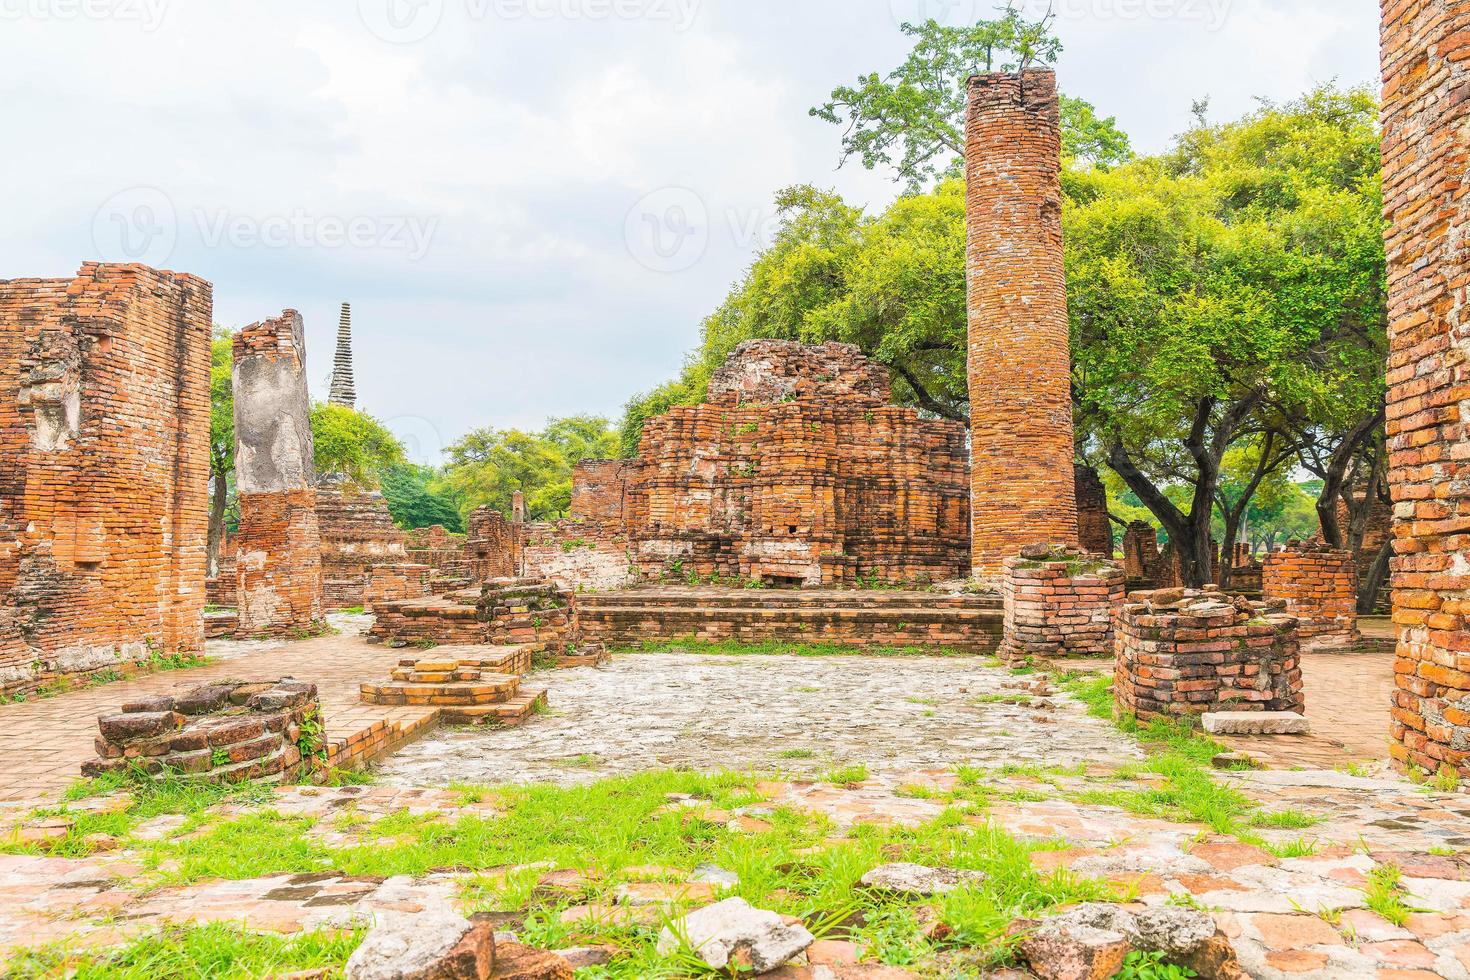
point(1019, 357)
point(104, 443)
point(1094, 526)
point(1319, 586)
point(798, 470)
point(1059, 602)
point(1426, 172)
point(357, 534)
point(279, 551)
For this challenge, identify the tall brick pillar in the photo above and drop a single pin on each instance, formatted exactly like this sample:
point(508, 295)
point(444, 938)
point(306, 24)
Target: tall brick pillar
point(279, 555)
point(1426, 155)
point(1019, 359)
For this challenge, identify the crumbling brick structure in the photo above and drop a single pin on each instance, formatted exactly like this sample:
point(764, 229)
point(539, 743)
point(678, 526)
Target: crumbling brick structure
point(279, 551)
point(467, 691)
point(1185, 652)
point(1141, 559)
point(357, 533)
point(798, 471)
point(493, 545)
point(1059, 602)
point(104, 465)
point(440, 549)
point(501, 612)
point(592, 549)
point(1019, 355)
point(600, 491)
point(1094, 526)
point(1318, 584)
point(227, 732)
point(220, 590)
point(397, 583)
point(1426, 172)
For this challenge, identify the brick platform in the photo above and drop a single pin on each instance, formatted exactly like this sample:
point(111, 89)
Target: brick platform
point(1426, 110)
point(104, 469)
point(520, 612)
point(1060, 602)
point(469, 686)
point(1319, 586)
point(397, 583)
point(1020, 372)
point(1192, 652)
point(859, 618)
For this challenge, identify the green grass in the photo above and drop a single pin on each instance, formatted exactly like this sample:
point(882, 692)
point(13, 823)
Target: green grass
point(1385, 894)
point(847, 775)
point(217, 951)
point(796, 754)
point(787, 648)
point(1020, 700)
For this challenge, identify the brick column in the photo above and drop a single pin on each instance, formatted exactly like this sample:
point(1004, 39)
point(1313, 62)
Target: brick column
point(1019, 359)
point(1320, 588)
point(1059, 602)
point(279, 555)
point(1426, 119)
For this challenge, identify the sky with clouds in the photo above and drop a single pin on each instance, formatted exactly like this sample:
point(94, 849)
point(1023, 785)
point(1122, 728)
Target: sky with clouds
point(530, 203)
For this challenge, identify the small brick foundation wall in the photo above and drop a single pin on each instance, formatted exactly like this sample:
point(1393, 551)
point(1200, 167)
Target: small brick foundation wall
point(798, 470)
point(503, 612)
point(357, 534)
point(577, 556)
point(1192, 652)
point(1426, 172)
point(493, 545)
point(1020, 373)
point(441, 550)
point(1058, 603)
point(1094, 527)
point(278, 552)
point(1141, 559)
point(1319, 587)
point(395, 583)
point(229, 732)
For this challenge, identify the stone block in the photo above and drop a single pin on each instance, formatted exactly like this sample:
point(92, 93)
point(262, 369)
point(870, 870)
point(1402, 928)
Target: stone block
point(1255, 723)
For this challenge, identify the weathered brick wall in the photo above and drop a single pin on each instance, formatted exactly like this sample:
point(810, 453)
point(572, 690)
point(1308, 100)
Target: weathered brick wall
point(221, 590)
point(1141, 552)
point(357, 533)
point(493, 545)
point(441, 550)
point(227, 732)
point(1319, 587)
point(599, 491)
point(104, 467)
point(824, 485)
point(1019, 358)
point(1059, 602)
point(1185, 652)
point(578, 555)
point(1094, 527)
point(395, 583)
point(1426, 119)
point(279, 550)
point(1379, 529)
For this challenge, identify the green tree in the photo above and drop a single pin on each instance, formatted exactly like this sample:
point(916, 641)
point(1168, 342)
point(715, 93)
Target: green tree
point(352, 445)
point(913, 118)
point(487, 466)
point(416, 498)
point(221, 439)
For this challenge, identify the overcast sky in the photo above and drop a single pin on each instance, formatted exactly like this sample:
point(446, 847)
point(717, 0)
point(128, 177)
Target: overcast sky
point(530, 203)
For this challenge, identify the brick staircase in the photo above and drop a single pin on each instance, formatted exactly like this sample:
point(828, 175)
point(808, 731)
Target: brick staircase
point(877, 617)
point(469, 685)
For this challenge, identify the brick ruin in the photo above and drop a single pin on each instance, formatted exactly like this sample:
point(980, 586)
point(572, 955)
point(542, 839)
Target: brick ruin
point(1059, 602)
point(397, 583)
point(798, 470)
point(1019, 356)
point(474, 686)
point(279, 548)
point(104, 442)
point(357, 534)
point(232, 731)
point(590, 550)
point(492, 545)
point(531, 613)
point(440, 549)
point(1186, 652)
point(1094, 526)
point(1426, 115)
point(1319, 586)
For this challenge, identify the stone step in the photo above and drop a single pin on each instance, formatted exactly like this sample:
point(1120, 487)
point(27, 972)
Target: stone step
point(697, 613)
point(489, 658)
point(509, 713)
point(715, 598)
point(489, 690)
point(1256, 723)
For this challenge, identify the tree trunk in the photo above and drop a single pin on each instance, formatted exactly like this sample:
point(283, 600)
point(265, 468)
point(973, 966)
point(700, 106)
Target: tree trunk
point(218, 498)
point(1372, 583)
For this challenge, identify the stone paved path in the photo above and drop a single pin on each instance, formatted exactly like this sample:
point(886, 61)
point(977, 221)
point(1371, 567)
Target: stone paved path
point(663, 711)
point(43, 742)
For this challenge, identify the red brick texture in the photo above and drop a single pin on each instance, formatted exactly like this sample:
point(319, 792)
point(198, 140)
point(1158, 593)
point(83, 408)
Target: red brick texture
point(798, 470)
point(1019, 357)
point(396, 583)
point(104, 442)
point(279, 550)
point(1094, 527)
point(1426, 156)
point(600, 490)
point(1060, 602)
point(1319, 586)
point(358, 534)
point(1192, 652)
point(493, 545)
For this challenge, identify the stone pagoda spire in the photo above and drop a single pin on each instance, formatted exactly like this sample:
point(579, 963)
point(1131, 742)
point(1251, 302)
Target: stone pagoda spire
point(344, 389)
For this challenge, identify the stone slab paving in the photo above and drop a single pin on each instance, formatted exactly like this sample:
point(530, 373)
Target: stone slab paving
point(43, 742)
point(669, 711)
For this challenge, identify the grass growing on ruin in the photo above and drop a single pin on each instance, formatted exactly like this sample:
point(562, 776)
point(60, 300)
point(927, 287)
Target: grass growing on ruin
point(787, 648)
point(218, 951)
point(154, 663)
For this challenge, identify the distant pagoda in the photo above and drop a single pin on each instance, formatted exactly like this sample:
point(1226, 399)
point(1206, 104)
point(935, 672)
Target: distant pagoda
point(344, 389)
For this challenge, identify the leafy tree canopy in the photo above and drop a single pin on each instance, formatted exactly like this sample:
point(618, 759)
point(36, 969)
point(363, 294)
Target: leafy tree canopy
point(352, 445)
point(487, 466)
point(416, 498)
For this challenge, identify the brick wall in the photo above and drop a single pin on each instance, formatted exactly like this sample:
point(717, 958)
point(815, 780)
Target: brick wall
point(1141, 552)
point(824, 483)
point(1059, 602)
point(442, 550)
point(577, 555)
point(1319, 587)
point(599, 489)
point(493, 545)
point(278, 553)
point(1019, 359)
point(395, 583)
point(1094, 527)
point(357, 533)
point(104, 442)
point(1191, 652)
point(1426, 116)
